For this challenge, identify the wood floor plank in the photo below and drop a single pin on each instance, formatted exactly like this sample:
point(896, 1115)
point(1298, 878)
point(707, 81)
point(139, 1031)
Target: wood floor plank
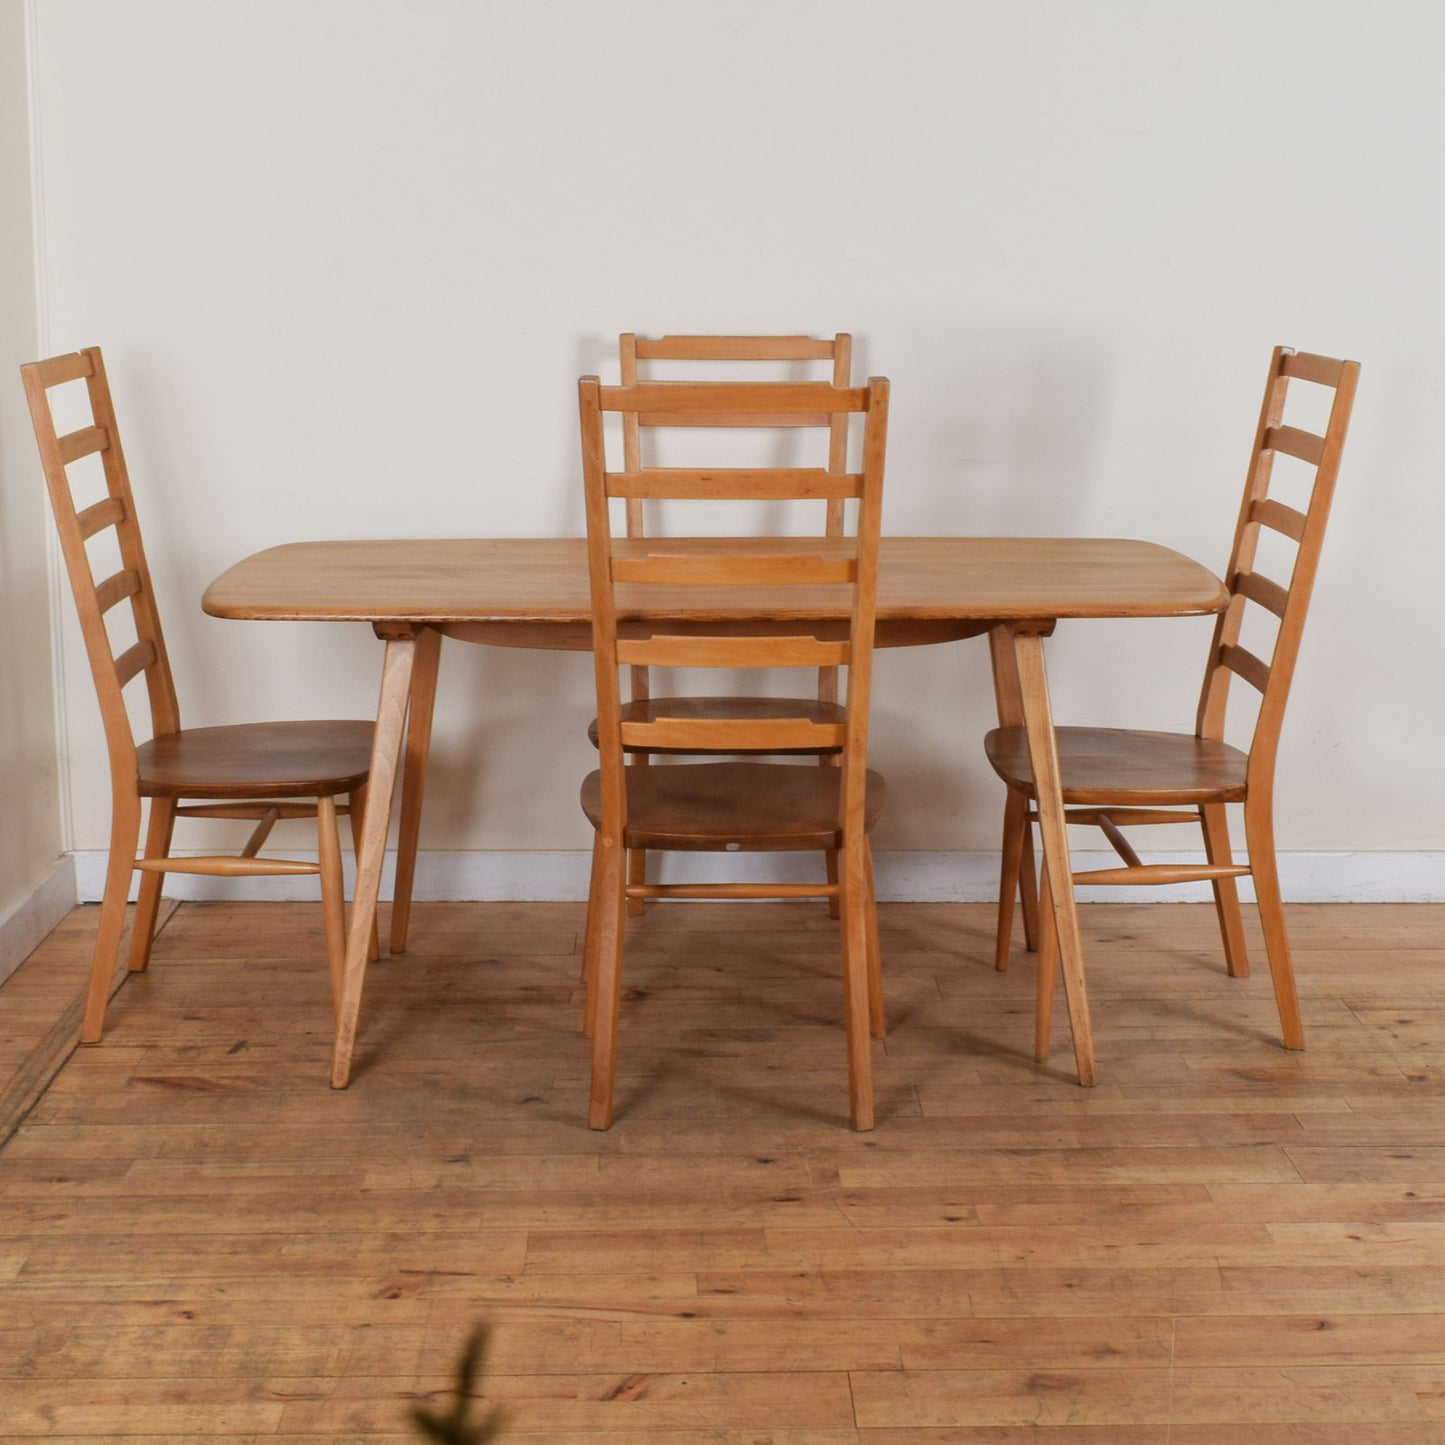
point(1222, 1244)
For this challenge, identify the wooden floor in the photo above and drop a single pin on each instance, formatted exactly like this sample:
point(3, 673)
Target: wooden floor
point(1221, 1243)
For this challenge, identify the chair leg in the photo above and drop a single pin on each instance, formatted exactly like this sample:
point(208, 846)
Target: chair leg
point(611, 904)
point(148, 898)
point(333, 905)
point(1259, 839)
point(356, 811)
point(1015, 825)
point(830, 871)
point(590, 935)
point(855, 986)
point(124, 835)
point(420, 709)
point(391, 710)
point(1048, 975)
point(636, 875)
point(1029, 889)
point(877, 1016)
point(1215, 823)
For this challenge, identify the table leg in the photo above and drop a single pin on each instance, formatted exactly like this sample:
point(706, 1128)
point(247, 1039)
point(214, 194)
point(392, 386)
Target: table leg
point(1043, 754)
point(391, 711)
point(1017, 874)
point(413, 780)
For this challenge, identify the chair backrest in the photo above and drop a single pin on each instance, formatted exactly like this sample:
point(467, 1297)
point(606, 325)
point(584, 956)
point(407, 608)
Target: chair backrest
point(647, 358)
point(1316, 461)
point(644, 358)
point(107, 517)
point(742, 588)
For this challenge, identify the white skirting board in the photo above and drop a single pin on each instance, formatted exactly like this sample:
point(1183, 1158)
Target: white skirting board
point(23, 928)
point(561, 877)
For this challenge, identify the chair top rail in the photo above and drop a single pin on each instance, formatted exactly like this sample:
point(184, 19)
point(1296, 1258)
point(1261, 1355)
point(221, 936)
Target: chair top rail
point(1306, 366)
point(60, 369)
point(735, 348)
point(714, 421)
point(760, 398)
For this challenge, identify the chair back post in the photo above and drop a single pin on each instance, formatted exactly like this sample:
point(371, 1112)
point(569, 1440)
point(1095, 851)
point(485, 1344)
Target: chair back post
point(865, 605)
point(604, 609)
point(1290, 602)
point(132, 582)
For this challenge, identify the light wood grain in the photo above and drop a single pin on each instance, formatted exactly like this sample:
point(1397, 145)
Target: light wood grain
point(1221, 1242)
point(538, 586)
point(717, 806)
point(1117, 776)
point(256, 762)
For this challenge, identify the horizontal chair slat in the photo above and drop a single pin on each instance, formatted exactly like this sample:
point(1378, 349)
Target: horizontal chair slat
point(251, 811)
point(1243, 663)
point(116, 588)
point(1127, 817)
point(748, 484)
point(1279, 517)
point(1294, 442)
point(733, 348)
point(1151, 873)
point(226, 866)
point(733, 890)
point(763, 398)
point(60, 369)
point(1261, 589)
point(734, 735)
point(109, 513)
point(804, 569)
point(1306, 366)
point(134, 660)
point(733, 419)
point(83, 443)
point(669, 651)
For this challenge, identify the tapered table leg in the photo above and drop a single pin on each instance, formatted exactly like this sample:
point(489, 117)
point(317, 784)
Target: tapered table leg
point(1043, 754)
point(413, 780)
point(391, 709)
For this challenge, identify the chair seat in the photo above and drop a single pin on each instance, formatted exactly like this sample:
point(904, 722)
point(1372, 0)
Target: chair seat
point(719, 807)
point(1118, 765)
point(257, 760)
point(751, 709)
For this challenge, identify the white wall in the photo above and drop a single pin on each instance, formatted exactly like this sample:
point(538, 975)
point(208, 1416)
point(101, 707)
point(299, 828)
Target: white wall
point(348, 258)
point(35, 887)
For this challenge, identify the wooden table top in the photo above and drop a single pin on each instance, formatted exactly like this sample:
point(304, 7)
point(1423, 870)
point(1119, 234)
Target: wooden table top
point(539, 585)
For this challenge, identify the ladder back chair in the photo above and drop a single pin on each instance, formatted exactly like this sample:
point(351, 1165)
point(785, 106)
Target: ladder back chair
point(731, 602)
point(1116, 778)
point(643, 358)
point(261, 772)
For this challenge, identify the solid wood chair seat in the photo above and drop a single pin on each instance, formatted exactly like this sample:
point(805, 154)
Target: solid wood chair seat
point(727, 806)
point(304, 759)
point(1124, 766)
point(756, 709)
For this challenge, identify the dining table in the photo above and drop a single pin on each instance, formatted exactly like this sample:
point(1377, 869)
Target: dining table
point(533, 593)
